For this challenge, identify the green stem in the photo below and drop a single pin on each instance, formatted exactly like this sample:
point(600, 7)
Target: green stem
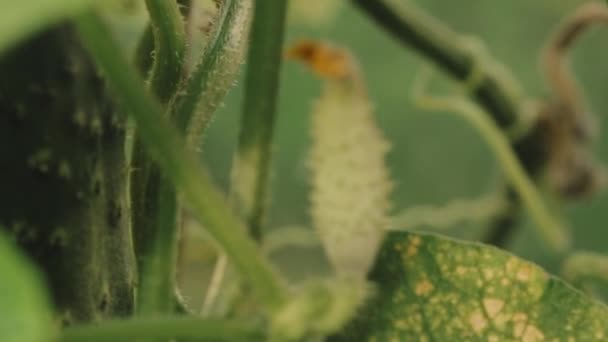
point(549, 228)
point(216, 71)
point(252, 167)
point(437, 42)
point(584, 266)
point(159, 254)
point(169, 47)
point(449, 215)
point(144, 51)
point(181, 166)
point(153, 196)
point(205, 89)
point(163, 328)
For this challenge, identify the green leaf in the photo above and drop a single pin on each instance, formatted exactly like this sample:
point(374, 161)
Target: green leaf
point(20, 19)
point(436, 289)
point(25, 314)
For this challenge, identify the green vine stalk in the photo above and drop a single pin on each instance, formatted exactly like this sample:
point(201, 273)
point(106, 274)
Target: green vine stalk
point(550, 229)
point(251, 170)
point(215, 73)
point(213, 76)
point(153, 196)
point(450, 52)
point(169, 47)
point(437, 42)
point(251, 167)
point(181, 166)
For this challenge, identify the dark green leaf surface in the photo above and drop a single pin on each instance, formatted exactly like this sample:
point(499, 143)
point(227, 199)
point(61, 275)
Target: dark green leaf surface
point(25, 315)
point(437, 289)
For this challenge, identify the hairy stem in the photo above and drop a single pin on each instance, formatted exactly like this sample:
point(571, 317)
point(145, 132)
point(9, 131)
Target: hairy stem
point(169, 47)
point(205, 89)
point(215, 73)
point(253, 159)
point(154, 199)
point(251, 169)
point(164, 328)
point(180, 165)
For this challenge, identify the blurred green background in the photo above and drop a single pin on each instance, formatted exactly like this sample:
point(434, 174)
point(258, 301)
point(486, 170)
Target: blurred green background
point(435, 158)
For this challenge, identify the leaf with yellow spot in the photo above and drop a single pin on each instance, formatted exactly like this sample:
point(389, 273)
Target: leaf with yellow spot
point(438, 289)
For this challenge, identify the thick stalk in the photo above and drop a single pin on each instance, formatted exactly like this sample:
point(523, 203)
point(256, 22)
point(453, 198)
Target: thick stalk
point(153, 198)
point(180, 165)
point(548, 227)
point(253, 160)
point(210, 81)
point(444, 47)
point(215, 72)
point(169, 47)
point(251, 169)
point(158, 273)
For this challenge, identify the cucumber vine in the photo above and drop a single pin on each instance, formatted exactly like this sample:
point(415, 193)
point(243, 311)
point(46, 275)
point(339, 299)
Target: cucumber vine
point(102, 216)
